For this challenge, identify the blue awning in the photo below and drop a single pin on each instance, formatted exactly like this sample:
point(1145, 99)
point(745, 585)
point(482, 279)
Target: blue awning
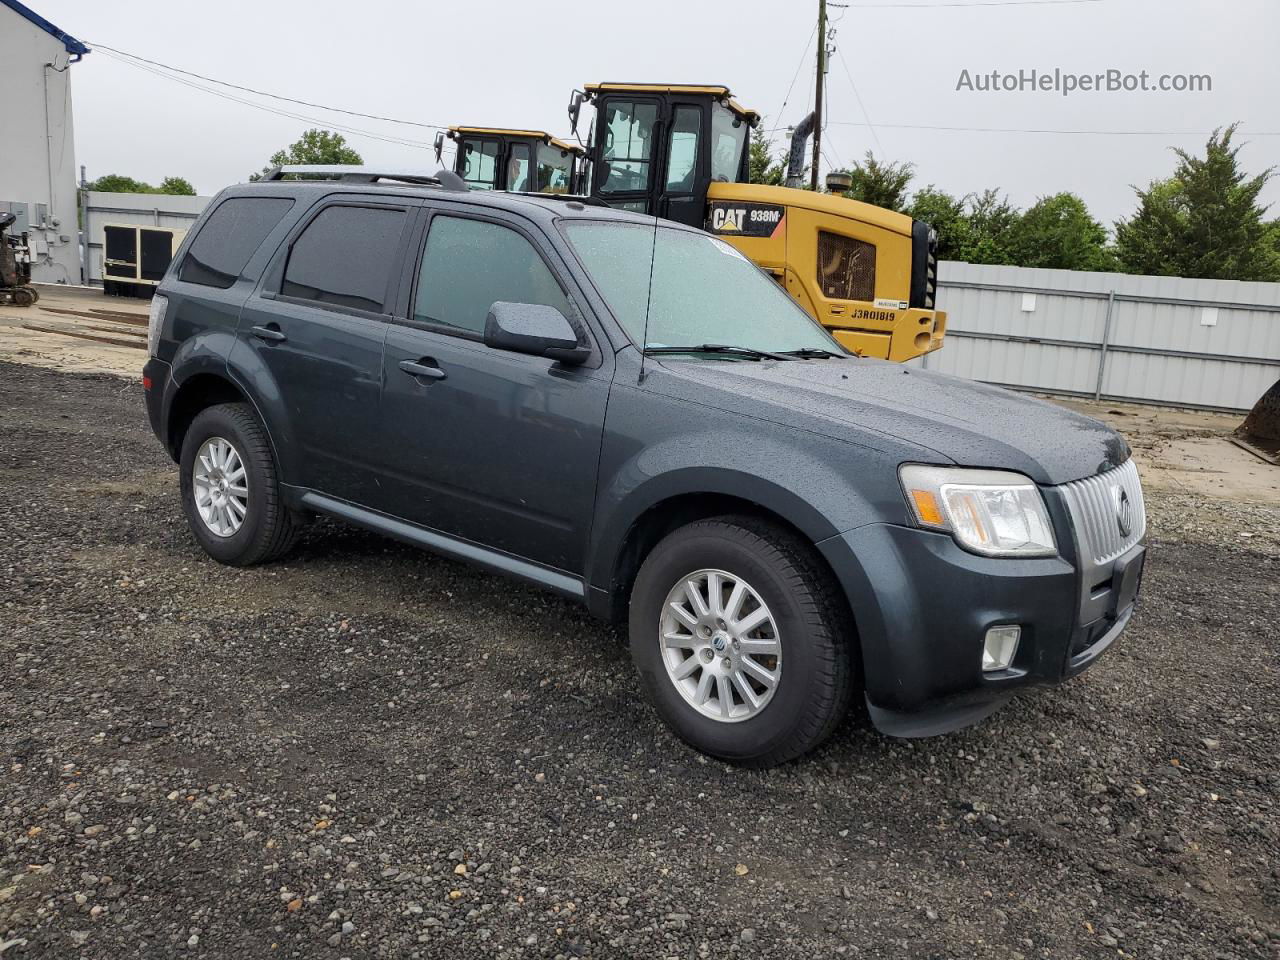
point(74, 46)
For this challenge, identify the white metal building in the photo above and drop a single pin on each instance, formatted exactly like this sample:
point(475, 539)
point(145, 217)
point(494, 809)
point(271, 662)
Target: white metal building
point(37, 149)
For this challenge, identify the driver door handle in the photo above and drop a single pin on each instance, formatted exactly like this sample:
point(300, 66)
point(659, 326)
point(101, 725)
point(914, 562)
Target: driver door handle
point(426, 367)
point(271, 333)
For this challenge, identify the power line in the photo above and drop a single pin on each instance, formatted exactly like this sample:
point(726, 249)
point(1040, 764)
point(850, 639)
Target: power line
point(263, 93)
point(865, 116)
point(969, 3)
point(804, 54)
point(354, 131)
point(1100, 133)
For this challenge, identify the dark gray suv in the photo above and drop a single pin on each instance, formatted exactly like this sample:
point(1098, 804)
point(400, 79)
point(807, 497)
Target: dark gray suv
point(629, 413)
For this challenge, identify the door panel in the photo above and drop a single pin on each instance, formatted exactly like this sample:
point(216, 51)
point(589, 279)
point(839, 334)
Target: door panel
point(328, 371)
point(317, 326)
point(500, 448)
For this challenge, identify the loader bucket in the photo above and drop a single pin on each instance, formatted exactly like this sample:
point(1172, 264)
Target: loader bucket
point(1260, 432)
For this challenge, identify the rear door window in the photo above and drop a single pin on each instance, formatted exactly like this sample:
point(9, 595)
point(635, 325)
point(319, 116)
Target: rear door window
point(344, 257)
point(230, 236)
point(468, 265)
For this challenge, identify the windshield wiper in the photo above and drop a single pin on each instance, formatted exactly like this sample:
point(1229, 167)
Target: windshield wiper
point(721, 348)
point(815, 353)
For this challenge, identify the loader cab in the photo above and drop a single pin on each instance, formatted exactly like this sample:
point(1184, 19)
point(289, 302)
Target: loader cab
point(532, 161)
point(656, 148)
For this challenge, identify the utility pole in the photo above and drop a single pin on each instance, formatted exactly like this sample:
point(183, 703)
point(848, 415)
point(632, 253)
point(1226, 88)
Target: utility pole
point(817, 96)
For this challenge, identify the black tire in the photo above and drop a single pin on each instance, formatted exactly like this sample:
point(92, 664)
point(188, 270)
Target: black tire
point(816, 632)
point(269, 529)
point(23, 297)
point(35, 294)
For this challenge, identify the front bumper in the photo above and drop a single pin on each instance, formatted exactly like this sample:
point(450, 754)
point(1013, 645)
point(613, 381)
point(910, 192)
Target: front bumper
point(923, 606)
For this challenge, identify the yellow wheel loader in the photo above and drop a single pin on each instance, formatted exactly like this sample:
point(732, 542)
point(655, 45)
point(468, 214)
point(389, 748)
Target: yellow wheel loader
point(496, 158)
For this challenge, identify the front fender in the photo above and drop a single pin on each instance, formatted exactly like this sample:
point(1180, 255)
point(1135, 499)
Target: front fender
point(649, 457)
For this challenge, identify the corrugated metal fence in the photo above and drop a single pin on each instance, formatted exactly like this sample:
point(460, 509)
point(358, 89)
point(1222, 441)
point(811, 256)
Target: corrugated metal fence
point(1212, 344)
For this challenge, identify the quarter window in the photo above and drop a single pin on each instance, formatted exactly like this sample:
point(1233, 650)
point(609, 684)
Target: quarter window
point(230, 236)
point(344, 258)
point(628, 145)
point(468, 265)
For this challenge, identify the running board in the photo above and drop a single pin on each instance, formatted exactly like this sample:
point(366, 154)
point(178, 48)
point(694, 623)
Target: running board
point(561, 583)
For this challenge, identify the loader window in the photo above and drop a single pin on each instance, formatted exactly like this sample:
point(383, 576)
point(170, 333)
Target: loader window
point(480, 163)
point(846, 267)
point(682, 163)
point(554, 169)
point(628, 145)
point(518, 167)
point(728, 138)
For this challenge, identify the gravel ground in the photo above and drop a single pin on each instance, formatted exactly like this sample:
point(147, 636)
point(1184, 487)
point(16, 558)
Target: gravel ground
point(371, 751)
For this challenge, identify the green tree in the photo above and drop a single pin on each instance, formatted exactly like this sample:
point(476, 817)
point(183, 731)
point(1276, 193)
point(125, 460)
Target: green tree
point(990, 222)
point(314, 146)
point(1058, 232)
point(1204, 221)
point(764, 169)
point(178, 186)
point(946, 214)
point(880, 184)
point(118, 183)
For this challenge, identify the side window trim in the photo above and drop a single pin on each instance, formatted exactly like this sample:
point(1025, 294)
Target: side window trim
point(273, 278)
point(559, 272)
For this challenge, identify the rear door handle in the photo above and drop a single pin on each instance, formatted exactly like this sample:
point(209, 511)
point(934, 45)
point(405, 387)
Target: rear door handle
point(426, 367)
point(271, 333)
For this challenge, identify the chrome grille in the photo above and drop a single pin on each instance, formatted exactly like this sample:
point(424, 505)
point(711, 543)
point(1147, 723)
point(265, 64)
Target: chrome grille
point(1094, 506)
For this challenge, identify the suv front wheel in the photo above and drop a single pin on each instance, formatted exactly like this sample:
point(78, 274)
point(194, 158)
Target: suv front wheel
point(741, 642)
point(229, 488)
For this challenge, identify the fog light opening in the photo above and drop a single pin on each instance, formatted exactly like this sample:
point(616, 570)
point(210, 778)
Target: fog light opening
point(999, 648)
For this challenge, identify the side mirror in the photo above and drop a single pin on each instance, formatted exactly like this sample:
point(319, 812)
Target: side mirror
point(535, 329)
point(575, 108)
point(439, 144)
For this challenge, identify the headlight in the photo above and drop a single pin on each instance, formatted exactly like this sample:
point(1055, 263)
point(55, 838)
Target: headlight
point(992, 512)
point(155, 320)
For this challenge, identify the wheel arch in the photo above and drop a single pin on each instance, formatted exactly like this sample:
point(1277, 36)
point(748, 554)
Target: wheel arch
point(663, 516)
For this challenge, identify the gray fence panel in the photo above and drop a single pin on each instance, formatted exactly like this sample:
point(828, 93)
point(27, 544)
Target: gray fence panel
point(1170, 340)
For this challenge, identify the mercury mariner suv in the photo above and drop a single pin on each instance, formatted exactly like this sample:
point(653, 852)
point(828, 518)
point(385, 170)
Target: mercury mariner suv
point(630, 414)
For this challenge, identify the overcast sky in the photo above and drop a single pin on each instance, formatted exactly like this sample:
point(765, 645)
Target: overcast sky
point(501, 63)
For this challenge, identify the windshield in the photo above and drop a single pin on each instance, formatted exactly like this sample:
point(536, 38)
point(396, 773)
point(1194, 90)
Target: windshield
point(704, 291)
point(728, 137)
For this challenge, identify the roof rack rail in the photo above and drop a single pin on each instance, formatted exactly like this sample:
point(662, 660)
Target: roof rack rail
point(566, 197)
point(355, 173)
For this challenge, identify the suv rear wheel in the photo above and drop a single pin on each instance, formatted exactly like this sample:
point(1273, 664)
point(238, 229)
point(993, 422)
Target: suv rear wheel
point(229, 488)
point(742, 645)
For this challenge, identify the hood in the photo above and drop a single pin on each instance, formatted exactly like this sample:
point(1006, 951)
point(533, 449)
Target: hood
point(971, 424)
